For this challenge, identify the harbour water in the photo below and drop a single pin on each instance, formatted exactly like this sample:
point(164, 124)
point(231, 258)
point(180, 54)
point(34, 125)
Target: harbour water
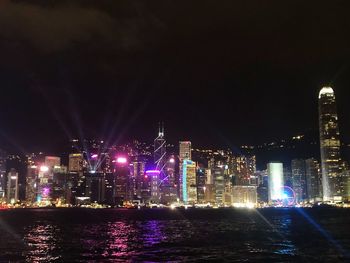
point(158, 235)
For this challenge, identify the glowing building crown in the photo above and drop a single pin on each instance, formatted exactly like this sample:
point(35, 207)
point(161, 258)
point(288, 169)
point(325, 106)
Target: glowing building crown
point(325, 90)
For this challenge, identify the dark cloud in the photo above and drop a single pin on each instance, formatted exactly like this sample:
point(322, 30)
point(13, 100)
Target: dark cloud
point(63, 25)
point(228, 71)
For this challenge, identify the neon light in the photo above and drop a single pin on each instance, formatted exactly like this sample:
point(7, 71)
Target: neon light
point(153, 172)
point(121, 160)
point(94, 156)
point(46, 191)
point(171, 160)
point(184, 182)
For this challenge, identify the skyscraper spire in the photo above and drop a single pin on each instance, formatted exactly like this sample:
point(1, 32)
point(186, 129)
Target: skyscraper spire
point(160, 149)
point(161, 129)
point(329, 144)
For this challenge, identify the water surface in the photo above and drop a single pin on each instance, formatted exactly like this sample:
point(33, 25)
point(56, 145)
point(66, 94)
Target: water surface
point(155, 235)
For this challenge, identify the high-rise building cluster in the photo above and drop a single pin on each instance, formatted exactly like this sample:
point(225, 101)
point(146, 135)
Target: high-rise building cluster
point(137, 173)
point(134, 174)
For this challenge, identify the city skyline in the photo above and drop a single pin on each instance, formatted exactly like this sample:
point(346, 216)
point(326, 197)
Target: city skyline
point(180, 131)
point(120, 175)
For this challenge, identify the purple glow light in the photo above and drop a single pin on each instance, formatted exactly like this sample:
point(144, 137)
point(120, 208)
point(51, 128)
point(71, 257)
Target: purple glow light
point(46, 191)
point(94, 156)
point(153, 172)
point(171, 160)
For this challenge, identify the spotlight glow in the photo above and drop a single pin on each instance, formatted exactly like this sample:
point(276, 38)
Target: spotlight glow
point(121, 160)
point(44, 168)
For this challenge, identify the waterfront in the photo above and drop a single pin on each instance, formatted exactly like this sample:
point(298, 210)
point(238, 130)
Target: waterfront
point(110, 235)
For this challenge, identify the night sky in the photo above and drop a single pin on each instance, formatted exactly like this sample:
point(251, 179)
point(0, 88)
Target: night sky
point(218, 73)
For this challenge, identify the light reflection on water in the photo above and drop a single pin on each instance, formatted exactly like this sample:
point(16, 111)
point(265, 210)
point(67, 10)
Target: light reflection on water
point(118, 236)
point(152, 233)
point(41, 240)
point(120, 239)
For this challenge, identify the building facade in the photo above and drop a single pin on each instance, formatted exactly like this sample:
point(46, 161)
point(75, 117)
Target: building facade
point(329, 145)
point(313, 180)
point(299, 179)
point(275, 182)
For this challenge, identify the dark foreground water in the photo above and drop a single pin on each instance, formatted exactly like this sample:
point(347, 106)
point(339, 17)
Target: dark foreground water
point(202, 235)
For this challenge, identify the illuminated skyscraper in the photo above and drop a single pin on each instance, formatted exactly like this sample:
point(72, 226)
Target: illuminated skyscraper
point(185, 150)
point(299, 179)
point(52, 161)
point(155, 187)
point(32, 184)
point(187, 172)
point(122, 182)
point(201, 176)
point(75, 162)
point(169, 185)
point(160, 151)
point(12, 187)
point(244, 170)
point(329, 144)
point(95, 187)
point(2, 174)
point(275, 178)
point(313, 180)
point(219, 184)
point(137, 178)
point(44, 184)
point(188, 189)
point(244, 194)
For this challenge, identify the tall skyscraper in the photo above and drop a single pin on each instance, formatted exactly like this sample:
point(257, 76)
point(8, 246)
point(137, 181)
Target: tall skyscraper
point(275, 184)
point(75, 162)
point(44, 184)
point(137, 177)
point(188, 189)
point(52, 161)
point(2, 174)
point(244, 170)
point(299, 179)
point(219, 184)
point(95, 187)
point(122, 182)
point(329, 144)
point(160, 151)
point(12, 187)
point(187, 173)
point(201, 176)
point(169, 185)
point(31, 184)
point(155, 190)
point(313, 180)
point(185, 150)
